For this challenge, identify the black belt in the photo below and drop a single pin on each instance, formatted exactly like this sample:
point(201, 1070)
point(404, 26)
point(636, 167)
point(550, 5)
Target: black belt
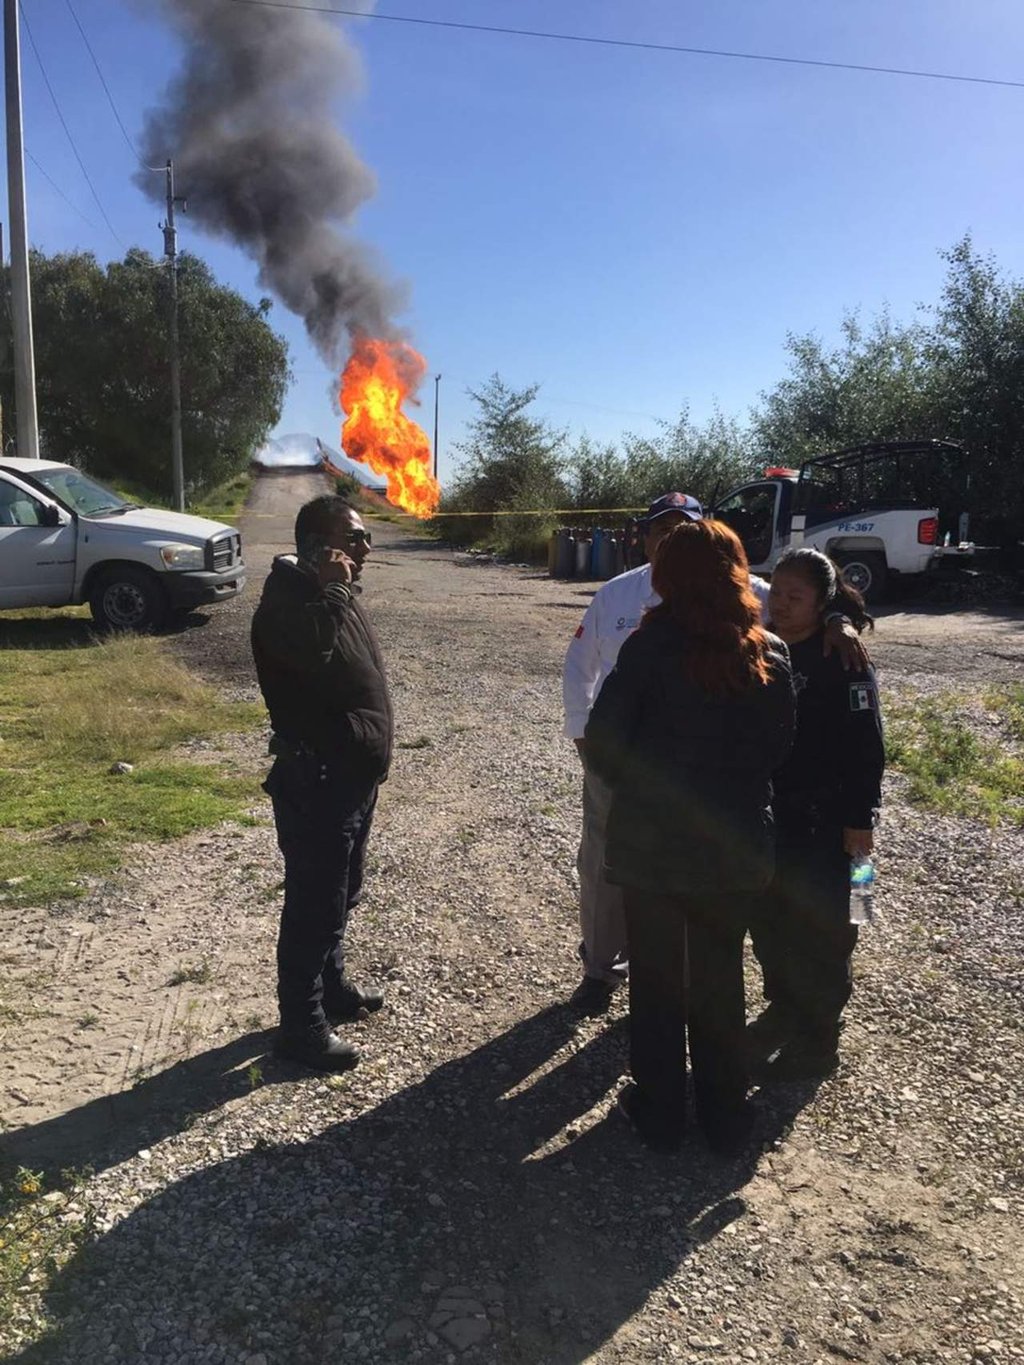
point(280, 747)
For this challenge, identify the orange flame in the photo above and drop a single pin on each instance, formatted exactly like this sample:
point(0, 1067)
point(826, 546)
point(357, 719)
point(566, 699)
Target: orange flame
point(379, 377)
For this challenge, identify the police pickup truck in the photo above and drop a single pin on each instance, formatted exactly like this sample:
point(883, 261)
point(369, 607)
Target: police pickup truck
point(65, 540)
point(875, 509)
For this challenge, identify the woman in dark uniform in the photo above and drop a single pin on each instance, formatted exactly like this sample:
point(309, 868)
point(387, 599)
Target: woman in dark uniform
point(827, 795)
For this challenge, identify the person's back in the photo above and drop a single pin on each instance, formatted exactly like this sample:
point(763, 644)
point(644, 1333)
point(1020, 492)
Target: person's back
point(693, 780)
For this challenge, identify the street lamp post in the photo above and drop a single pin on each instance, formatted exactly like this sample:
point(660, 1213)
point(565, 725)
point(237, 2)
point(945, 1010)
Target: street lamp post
point(437, 386)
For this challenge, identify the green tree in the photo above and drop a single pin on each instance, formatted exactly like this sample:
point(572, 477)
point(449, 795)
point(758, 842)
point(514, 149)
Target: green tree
point(976, 353)
point(103, 377)
point(705, 461)
point(597, 476)
point(511, 464)
point(877, 384)
point(508, 452)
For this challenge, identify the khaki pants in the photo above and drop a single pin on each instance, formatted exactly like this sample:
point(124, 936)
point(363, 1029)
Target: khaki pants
point(602, 918)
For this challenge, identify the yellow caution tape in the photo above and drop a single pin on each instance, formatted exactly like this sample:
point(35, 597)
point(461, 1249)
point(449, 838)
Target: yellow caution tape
point(550, 512)
point(530, 512)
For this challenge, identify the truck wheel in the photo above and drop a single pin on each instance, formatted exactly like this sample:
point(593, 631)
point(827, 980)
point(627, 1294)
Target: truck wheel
point(127, 599)
point(866, 572)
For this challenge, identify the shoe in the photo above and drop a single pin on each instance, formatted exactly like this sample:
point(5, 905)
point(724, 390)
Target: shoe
point(772, 1028)
point(799, 1060)
point(352, 1002)
point(656, 1131)
point(730, 1135)
point(592, 996)
point(328, 1053)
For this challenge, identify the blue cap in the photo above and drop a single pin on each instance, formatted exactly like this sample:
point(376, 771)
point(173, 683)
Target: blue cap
point(675, 502)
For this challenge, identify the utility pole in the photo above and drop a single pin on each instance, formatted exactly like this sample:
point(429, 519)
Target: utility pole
point(4, 312)
point(21, 292)
point(171, 252)
point(437, 387)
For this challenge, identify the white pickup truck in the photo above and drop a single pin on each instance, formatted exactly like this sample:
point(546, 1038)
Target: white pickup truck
point(65, 540)
point(863, 506)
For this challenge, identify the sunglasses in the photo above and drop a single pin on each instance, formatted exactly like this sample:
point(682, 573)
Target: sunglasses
point(360, 537)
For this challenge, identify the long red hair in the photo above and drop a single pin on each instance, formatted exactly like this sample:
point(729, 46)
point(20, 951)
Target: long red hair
point(701, 574)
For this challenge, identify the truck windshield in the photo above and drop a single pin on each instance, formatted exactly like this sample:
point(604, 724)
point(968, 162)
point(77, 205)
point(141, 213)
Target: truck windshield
point(75, 490)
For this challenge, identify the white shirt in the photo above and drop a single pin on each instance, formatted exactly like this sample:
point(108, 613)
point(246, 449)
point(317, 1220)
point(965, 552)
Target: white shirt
point(613, 614)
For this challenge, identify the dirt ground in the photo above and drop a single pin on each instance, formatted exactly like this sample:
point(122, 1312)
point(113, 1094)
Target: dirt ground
point(882, 1222)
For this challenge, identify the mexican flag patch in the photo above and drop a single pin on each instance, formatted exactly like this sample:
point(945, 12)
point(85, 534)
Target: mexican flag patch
point(862, 697)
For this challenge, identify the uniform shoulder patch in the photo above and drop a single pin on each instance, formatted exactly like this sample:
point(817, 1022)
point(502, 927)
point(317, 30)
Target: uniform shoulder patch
point(862, 697)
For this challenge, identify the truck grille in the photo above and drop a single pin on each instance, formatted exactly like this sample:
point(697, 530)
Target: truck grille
point(224, 552)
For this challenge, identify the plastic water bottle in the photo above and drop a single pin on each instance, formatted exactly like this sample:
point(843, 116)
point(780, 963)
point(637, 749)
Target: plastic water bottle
point(862, 888)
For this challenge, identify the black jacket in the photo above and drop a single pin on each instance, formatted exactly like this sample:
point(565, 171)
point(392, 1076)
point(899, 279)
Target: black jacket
point(690, 773)
point(834, 772)
point(321, 673)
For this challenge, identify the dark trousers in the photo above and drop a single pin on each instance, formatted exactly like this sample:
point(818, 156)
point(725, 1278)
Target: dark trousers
point(686, 976)
point(801, 929)
point(323, 822)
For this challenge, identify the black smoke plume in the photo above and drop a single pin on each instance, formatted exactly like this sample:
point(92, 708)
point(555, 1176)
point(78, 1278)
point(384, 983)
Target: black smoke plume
point(250, 126)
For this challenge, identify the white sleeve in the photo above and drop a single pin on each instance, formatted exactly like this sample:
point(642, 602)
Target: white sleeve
point(581, 671)
point(761, 589)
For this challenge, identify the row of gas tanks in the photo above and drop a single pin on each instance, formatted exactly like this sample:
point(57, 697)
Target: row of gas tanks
point(594, 554)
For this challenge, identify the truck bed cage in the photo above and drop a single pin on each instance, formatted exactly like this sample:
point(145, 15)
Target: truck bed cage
point(856, 477)
point(852, 455)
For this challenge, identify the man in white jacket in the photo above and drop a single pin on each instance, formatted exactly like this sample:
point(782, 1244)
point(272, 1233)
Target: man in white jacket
point(613, 614)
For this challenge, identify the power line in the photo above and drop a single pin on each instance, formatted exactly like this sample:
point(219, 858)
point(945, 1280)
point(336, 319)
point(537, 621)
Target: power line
point(67, 130)
point(635, 44)
point(46, 176)
point(106, 90)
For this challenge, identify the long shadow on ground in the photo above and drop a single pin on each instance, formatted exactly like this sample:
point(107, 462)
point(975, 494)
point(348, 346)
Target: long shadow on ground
point(112, 1128)
point(438, 1209)
point(47, 632)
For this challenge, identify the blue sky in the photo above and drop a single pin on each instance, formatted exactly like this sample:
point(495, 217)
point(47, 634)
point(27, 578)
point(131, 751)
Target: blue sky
point(636, 231)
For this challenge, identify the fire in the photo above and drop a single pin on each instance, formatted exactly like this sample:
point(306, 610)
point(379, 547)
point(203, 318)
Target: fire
point(379, 377)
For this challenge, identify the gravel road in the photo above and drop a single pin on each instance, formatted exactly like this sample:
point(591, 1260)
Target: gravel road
point(466, 1194)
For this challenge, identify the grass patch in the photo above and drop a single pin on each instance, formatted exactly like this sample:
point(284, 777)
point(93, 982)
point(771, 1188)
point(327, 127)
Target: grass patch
point(225, 502)
point(222, 503)
point(421, 742)
point(20, 994)
point(952, 768)
point(1008, 705)
point(199, 975)
point(66, 715)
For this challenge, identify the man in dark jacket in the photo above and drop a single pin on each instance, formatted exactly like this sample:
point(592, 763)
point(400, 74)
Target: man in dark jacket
point(322, 677)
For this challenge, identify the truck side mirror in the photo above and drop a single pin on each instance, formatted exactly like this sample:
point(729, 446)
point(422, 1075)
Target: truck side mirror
point(49, 515)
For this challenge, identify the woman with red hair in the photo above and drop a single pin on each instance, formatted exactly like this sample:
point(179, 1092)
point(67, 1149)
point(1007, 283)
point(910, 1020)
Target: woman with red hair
point(687, 730)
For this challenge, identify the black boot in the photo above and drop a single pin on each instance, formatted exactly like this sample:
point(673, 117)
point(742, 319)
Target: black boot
point(661, 1131)
point(810, 1056)
point(350, 1002)
point(772, 1028)
point(320, 1052)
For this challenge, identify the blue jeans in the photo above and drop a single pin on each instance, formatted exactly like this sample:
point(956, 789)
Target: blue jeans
point(323, 822)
